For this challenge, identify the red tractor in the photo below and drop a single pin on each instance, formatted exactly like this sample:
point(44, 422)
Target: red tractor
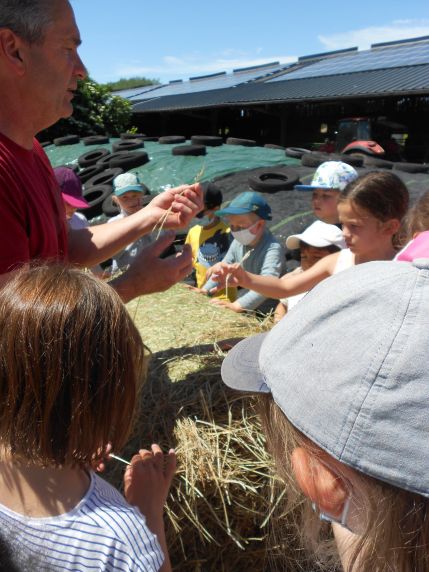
point(366, 136)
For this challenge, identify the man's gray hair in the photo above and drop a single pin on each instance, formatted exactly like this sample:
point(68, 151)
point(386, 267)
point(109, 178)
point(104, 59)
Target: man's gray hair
point(28, 19)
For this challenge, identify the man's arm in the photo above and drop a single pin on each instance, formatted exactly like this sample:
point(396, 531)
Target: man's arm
point(88, 247)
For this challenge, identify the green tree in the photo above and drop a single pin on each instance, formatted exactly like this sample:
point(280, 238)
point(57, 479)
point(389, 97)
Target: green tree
point(96, 111)
point(129, 83)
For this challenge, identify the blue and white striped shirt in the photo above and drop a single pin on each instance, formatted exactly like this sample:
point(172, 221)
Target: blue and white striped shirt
point(103, 532)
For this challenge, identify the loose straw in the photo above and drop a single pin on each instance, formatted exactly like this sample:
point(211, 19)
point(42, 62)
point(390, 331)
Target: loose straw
point(119, 459)
point(160, 224)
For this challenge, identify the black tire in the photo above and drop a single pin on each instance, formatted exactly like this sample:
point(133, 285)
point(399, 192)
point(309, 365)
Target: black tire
point(207, 140)
point(128, 161)
point(369, 161)
point(123, 159)
point(96, 140)
point(109, 208)
point(273, 146)
point(314, 159)
point(411, 167)
point(125, 136)
point(244, 142)
point(271, 181)
point(296, 152)
point(351, 160)
point(89, 172)
point(172, 140)
point(67, 140)
point(195, 150)
point(105, 178)
point(91, 157)
point(127, 145)
point(150, 139)
point(95, 196)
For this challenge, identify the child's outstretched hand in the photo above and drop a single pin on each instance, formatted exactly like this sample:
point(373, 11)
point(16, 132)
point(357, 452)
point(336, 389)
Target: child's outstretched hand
point(233, 274)
point(148, 479)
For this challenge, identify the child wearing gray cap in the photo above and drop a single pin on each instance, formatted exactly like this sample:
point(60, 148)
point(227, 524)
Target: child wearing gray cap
point(344, 394)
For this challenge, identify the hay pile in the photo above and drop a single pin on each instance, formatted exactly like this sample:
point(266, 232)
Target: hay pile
point(218, 510)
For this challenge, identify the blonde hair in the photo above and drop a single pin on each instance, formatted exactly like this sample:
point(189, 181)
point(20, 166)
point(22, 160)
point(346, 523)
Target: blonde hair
point(397, 534)
point(71, 361)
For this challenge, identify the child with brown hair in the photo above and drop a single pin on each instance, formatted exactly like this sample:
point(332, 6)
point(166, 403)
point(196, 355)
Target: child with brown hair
point(343, 384)
point(370, 208)
point(71, 364)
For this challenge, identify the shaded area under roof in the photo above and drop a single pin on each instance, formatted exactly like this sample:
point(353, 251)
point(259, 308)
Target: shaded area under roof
point(373, 83)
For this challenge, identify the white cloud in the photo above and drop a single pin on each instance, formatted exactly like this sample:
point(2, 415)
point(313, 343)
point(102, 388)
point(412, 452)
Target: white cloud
point(363, 38)
point(173, 67)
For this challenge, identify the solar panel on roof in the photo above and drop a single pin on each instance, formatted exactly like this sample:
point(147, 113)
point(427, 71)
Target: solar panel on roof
point(214, 81)
point(382, 58)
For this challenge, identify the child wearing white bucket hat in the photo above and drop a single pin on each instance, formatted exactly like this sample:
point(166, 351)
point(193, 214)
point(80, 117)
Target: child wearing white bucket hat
point(344, 387)
point(317, 241)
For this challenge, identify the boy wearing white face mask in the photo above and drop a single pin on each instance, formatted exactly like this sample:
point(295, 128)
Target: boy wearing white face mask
point(253, 246)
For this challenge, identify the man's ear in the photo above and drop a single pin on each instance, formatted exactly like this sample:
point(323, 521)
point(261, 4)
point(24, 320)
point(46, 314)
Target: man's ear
point(318, 482)
point(11, 48)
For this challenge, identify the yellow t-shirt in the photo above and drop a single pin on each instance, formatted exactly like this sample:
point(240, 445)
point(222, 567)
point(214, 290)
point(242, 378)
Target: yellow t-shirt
point(209, 246)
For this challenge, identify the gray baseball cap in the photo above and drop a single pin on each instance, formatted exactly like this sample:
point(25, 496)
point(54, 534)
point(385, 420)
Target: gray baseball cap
point(349, 367)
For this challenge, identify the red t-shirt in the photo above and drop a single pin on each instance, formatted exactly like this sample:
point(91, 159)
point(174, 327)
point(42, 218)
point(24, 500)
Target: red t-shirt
point(32, 217)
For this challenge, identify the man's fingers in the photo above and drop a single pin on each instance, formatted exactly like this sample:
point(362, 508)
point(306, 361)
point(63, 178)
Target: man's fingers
point(163, 242)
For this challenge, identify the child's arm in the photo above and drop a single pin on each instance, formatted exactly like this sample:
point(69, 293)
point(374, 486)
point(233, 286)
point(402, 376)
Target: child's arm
point(273, 287)
point(146, 484)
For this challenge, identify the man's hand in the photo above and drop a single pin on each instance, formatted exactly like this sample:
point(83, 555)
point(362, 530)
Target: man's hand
point(149, 273)
point(184, 201)
point(234, 306)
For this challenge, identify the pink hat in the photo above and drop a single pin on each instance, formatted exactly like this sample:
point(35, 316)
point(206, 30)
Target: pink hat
point(71, 187)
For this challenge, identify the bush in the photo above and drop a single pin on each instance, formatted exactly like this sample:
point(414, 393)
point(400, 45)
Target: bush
point(96, 111)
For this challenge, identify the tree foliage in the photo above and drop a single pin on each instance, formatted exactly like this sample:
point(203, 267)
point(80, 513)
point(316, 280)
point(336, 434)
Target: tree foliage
point(130, 83)
point(96, 111)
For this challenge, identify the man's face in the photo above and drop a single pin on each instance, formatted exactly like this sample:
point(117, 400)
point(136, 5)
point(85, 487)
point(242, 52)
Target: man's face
point(53, 68)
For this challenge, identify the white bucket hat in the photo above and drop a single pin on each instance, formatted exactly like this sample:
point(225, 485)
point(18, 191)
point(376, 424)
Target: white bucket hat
point(319, 234)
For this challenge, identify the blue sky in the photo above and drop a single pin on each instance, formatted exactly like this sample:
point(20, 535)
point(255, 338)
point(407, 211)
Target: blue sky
point(173, 39)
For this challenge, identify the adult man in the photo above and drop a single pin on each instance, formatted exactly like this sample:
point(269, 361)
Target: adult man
point(39, 71)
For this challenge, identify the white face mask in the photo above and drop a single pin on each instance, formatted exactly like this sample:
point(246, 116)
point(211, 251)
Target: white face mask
point(244, 236)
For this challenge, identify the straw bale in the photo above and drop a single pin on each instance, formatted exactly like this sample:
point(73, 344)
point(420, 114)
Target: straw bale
point(219, 506)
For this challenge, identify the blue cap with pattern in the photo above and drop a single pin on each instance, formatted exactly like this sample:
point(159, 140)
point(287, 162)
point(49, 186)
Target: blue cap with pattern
point(334, 175)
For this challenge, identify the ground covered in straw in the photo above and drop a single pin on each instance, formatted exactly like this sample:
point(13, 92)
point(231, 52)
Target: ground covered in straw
point(223, 492)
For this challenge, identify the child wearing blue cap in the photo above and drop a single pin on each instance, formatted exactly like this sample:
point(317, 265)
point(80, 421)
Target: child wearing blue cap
point(129, 195)
point(330, 178)
point(253, 246)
